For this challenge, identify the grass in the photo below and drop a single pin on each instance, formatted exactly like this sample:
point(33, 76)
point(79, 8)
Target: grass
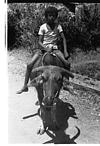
point(81, 62)
point(86, 63)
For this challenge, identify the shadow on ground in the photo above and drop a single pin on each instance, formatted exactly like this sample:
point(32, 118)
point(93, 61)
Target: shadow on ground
point(63, 111)
point(59, 137)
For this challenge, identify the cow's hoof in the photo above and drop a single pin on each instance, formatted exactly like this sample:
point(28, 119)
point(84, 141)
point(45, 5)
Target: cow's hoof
point(40, 131)
point(37, 103)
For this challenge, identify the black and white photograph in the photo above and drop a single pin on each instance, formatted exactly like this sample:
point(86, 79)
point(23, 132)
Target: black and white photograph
point(53, 69)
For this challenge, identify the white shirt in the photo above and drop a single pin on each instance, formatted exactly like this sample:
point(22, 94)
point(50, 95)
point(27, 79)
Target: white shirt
point(50, 36)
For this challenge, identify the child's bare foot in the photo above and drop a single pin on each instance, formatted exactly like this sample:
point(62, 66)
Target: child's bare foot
point(24, 89)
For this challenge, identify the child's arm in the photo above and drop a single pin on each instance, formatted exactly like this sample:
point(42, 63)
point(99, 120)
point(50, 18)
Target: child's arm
point(41, 44)
point(41, 37)
point(64, 44)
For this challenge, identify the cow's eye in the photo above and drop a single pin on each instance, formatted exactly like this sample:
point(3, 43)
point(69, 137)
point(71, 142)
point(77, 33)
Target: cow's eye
point(59, 79)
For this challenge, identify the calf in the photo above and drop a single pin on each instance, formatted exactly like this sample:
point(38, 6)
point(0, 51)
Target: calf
point(48, 84)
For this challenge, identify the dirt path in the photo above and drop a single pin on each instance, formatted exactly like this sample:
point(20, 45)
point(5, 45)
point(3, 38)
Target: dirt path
point(87, 107)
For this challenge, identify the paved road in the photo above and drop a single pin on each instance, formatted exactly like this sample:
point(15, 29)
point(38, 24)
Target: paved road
point(25, 131)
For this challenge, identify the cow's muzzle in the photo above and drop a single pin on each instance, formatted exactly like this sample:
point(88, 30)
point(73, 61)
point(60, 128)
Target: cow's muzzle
point(49, 101)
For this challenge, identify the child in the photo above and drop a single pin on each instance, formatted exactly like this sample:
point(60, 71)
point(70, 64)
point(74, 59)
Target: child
point(48, 35)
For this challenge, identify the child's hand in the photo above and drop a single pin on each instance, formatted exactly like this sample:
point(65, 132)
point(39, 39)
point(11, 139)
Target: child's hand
point(66, 55)
point(46, 49)
point(50, 49)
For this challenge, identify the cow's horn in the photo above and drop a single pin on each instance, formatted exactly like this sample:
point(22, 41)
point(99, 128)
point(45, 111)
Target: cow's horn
point(39, 69)
point(65, 72)
point(43, 68)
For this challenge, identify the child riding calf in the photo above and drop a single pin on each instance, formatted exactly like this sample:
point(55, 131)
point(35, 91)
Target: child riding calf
point(48, 36)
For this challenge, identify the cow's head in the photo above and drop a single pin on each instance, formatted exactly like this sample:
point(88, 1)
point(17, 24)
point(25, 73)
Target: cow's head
point(51, 78)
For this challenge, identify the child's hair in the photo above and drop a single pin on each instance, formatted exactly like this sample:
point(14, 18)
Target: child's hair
point(51, 10)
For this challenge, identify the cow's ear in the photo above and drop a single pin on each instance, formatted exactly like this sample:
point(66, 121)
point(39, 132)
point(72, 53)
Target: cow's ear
point(45, 76)
point(32, 83)
point(36, 81)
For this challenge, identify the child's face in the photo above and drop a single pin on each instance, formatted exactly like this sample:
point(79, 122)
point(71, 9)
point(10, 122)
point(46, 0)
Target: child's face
point(51, 18)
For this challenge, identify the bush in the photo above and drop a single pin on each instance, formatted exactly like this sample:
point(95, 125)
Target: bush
point(24, 20)
point(13, 29)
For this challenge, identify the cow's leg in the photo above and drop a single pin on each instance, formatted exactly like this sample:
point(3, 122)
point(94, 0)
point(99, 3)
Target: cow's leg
point(39, 89)
point(42, 128)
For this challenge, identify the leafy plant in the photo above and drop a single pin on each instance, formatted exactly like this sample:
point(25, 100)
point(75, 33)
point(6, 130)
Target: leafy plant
point(24, 20)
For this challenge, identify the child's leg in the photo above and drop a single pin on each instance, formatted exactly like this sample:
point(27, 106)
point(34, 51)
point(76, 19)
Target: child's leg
point(29, 68)
point(61, 56)
point(65, 62)
point(28, 71)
